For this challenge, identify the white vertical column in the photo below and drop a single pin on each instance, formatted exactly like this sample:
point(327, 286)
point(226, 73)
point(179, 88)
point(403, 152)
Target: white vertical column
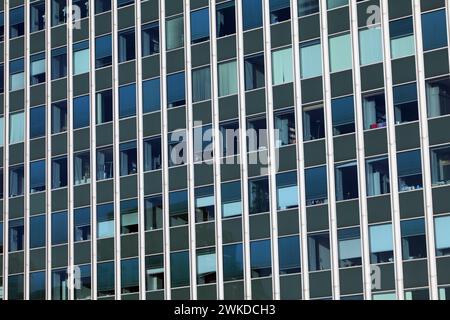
point(329, 153)
point(360, 154)
point(140, 151)
point(425, 146)
point(300, 151)
point(93, 150)
point(164, 147)
point(392, 150)
point(243, 151)
point(190, 149)
point(48, 152)
point(70, 165)
point(272, 152)
point(217, 148)
point(26, 160)
point(6, 155)
point(116, 150)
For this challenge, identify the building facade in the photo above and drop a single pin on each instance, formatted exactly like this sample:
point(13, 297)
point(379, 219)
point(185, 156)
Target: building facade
point(238, 149)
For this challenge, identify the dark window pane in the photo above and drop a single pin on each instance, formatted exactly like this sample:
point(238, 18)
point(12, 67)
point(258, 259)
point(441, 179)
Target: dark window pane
point(37, 122)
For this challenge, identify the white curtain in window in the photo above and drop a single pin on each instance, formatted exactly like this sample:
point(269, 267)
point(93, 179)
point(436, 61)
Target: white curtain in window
point(311, 61)
point(174, 33)
point(282, 126)
point(370, 46)
point(81, 61)
point(433, 100)
point(101, 174)
point(17, 81)
point(381, 238)
point(282, 66)
point(340, 53)
point(402, 47)
point(14, 183)
point(78, 170)
point(123, 163)
point(56, 174)
point(442, 226)
point(307, 125)
point(38, 67)
point(16, 130)
point(370, 113)
point(201, 84)
point(227, 78)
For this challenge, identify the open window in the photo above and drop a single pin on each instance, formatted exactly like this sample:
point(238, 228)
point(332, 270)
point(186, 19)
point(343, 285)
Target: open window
point(313, 123)
point(440, 165)
point(377, 171)
point(438, 97)
point(346, 181)
point(374, 110)
point(405, 103)
point(409, 168)
point(285, 128)
point(343, 115)
point(204, 204)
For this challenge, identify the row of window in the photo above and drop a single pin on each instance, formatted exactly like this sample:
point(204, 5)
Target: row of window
point(349, 245)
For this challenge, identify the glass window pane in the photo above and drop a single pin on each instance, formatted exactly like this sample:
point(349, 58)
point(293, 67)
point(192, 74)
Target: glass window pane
point(258, 190)
point(441, 226)
point(37, 231)
point(206, 266)
point(127, 100)
point(37, 122)
point(287, 190)
point(231, 199)
point(178, 208)
point(126, 45)
point(152, 154)
point(81, 57)
point(201, 84)
point(153, 212)
point(16, 127)
point(370, 45)
point(176, 90)
point(310, 59)
point(129, 216)
point(227, 78)
point(225, 19)
point(340, 53)
point(409, 167)
point(413, 239)
point(282, 66)
point(59, 228)
point(343, 115)
point(316, 185)
point(349, 247)
point(179, 269)
point(260, 258)
point(377, 171)
point(289, 254)
point(154, 270)
point(81, 112)
point(434, 30)
point(105, 220)
point(204, 204)
point(82, 224)
point(150, 39)
point(438, 97)
point(103, 51)
point(129, 270)
point(440, 165)
point(174, 33)
point(405, 103)
point(37, 176)
point(37, 285)
point(105, 279)
point(104, 106)
point(252, 14)
point(374, 111)
point(254, 72)
point(381, 243)
point(319, 251)
point(402, 38)
point(199, 25)
point(151, 95)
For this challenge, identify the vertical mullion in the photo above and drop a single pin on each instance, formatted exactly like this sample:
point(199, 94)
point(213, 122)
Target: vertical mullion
point(70, 166)
point(329, 153)
point(243, 151)
point(217, 150)
point(26, 162)
point(48, 139)
point(425, 151)
point(300, 151)
point(392, 151)
point(165, 152)
point(93, 150)
point(6, 155)
point(190, 150)
point(272, 163)
point(360, 152)
point(140, 152)
point(116, 150)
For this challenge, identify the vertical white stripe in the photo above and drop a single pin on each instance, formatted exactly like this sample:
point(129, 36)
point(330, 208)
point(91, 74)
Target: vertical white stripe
point(425, 146)
point(360, 154)
point(329, 153)
point(243, 151)
point(392, 150)
point(300, 152)
point(272, 163)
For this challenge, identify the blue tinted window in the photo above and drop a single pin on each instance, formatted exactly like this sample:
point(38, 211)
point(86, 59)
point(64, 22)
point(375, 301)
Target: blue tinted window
point(59, 63)
point(199, 25)
point(37, 231)
point(81, 112)
point(232, 262)
point(37, 285)
point(306, 7)
point(103, 51)
point(59, 228)
point(37, 122)
point(176, 90)
point(150, 39)
point(105, 279)
point(82, 224)
point(16, 22)
point(179, 269)
point(260, 258)
point(127, 100)
point(343, 115)
point(434, 30)
point(151, 95)
point(129, 270)
point(225, 19)
point(279, 10)
point(105, 220)
point(16, 239)
point(37, 176)
point(316, 185)
point(289, 254)
point(252, 14)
